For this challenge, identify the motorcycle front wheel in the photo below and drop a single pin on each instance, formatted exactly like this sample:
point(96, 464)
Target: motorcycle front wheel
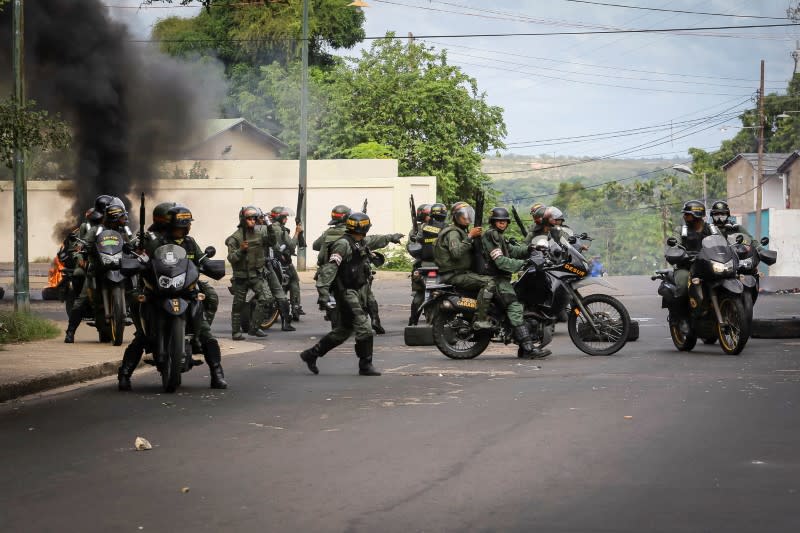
point(612, 320)
point(734, 332)
point(684, 343)
point(454, 336)
point(173, 359)
point(117, 320)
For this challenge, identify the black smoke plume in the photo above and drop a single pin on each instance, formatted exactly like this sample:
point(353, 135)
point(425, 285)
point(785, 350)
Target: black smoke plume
point(129, 107)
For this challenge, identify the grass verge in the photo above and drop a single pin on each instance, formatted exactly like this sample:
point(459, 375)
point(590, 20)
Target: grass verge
point(24, 327)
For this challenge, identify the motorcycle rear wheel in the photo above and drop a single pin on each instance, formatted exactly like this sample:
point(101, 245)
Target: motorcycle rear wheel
point(735, 332)
point(684, 343)
point(173, 359)
point(117, 320)
point(453, 335)
point(612, 320)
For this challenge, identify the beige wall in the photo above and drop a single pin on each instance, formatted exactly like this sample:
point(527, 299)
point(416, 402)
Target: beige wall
point(793, 186)
point(215, 202)
point(739, 178)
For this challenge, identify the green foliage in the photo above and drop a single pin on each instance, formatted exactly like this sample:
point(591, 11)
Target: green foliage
point(26, 128)
point(370, 150)
point(24, 327)
point(197, 172)
point(397, 259)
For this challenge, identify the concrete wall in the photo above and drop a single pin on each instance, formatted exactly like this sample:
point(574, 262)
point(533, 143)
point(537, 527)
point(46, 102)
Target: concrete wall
point(739, 178)
point(793, 185)
point(783, 236)
point(215, 202)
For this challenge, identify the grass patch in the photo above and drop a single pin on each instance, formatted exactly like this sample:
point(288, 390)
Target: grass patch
point(23, 327)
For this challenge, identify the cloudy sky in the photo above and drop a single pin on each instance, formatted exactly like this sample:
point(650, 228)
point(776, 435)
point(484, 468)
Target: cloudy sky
point(631, 94)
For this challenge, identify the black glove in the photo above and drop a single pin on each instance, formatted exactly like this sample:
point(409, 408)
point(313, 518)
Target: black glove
point(395, 237)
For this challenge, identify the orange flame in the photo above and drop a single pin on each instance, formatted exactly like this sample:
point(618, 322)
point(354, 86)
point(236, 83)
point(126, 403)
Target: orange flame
point(55, 274)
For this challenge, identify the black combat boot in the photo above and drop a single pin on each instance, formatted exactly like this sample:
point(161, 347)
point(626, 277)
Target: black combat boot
point(527, 350)
point(130, 360)
point(75, 316)
point(286, 317)
point(318, 350)
point(364, 353)
point(213, 358)
point(374, 315)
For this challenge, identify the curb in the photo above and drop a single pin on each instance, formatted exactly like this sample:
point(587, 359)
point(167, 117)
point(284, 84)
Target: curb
point(11, 391)
point(776, 328)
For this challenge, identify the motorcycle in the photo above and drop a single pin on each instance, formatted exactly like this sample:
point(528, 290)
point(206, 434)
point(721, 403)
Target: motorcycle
point(716, 295)
point(171, 306)
point(271, 312)
point(598, 324)
point(749, 258)
point(107, 287)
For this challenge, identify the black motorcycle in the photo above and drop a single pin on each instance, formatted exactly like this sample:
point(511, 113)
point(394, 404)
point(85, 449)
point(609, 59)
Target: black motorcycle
point(750, 256)
point(170, 306)
point(108, 285)
point(271, 311)
point(716, 295)
point(598, 324)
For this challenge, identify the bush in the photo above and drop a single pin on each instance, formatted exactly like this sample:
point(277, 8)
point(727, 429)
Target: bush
point(397, 259)
point(23, 327)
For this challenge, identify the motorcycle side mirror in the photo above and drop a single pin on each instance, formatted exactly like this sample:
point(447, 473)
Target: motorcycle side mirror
point(672, 241)
point(210, 251)
point(572, 239)
point(739, 239)
point(764, 241)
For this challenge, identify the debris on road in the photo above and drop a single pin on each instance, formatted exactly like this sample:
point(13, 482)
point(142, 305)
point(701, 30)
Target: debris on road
point(142, 444)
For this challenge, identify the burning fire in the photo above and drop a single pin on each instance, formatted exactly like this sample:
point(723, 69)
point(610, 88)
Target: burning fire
point(55, 274)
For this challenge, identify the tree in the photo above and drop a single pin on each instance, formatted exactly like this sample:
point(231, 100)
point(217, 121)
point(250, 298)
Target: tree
point(23, 127)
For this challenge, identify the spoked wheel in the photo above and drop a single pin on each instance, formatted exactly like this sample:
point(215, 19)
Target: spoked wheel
point(173, 359)
point(454, 336)
point(612, 321)
point(734, 332)
point(683, 342)
point(117, 320)
point(271, 314)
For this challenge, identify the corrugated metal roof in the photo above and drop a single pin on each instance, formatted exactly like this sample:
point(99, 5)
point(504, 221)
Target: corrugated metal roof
point(771, 161)
point(217, 126)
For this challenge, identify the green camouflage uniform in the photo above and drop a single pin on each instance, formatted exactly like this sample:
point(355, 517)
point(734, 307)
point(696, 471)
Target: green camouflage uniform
point(249, 271)
point(503, 259)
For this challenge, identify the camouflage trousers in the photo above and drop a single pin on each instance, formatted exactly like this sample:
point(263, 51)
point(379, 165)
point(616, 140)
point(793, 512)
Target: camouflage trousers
point(261, 294)
point(508, 299)
point(294, 284)
point(211, 302)
point(351, 305)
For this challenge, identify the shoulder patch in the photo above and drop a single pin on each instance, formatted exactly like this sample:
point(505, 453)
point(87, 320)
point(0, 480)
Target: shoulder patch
point(494, 254)
point(335, 258)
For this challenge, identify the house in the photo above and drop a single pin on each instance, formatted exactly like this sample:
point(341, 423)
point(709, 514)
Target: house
point(235, 138)
point(740, 174)
point(791, 169)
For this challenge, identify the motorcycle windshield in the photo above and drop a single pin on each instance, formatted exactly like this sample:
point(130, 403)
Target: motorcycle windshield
point(716, 248)
point(109, 242)
point(170, 259)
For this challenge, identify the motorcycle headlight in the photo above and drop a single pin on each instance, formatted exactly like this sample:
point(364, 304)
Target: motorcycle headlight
point(746, 264)
point(722, 268)
point(165, 282)
point(111, 259)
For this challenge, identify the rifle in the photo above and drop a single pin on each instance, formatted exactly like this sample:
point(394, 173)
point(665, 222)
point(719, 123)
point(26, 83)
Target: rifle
point(478, 261)
point(141, 222)
point(364, 207)
point(301, 237)
point(519, 221)
point(413, 214)
point(478, 209)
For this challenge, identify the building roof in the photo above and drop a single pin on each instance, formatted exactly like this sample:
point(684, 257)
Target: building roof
point(771, 161)
point(218, 126)
point(789, 160)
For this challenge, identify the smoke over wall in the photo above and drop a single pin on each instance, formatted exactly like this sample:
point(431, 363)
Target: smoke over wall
point(129, 106)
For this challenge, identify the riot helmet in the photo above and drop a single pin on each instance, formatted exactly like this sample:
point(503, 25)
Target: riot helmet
point(93, 216)
point(115, 216)
point(101, 202)
point(720, 212)
point(695, 208)
point(499, 214)
point(248, 211)
point(462, 214)
point(438, 212)
point(358, 223)
point(339, 214)
point(279, 214)
point(552, 216)
point(180, 217)
point(423, 210)
point(160, 216)
point(537, 210)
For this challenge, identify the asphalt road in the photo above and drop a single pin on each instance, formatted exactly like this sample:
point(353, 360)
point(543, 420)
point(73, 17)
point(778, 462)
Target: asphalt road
point(647, 440)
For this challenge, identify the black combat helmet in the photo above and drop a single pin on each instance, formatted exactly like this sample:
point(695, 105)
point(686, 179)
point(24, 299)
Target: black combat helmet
point(101, 202)
point(696, 208)
point(720, 212)
point(423, 210)
point(438, 212)
point(160, 216)
point(180, 217)
point(116, 215)
point(498, 214)
point(94, 216)
point(339, 214)
point(358, 223)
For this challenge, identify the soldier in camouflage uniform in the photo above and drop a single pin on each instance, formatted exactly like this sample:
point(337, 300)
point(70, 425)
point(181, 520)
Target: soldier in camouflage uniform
point(427, 234)
point(537, 227)
point(346, 273)
point(176, 232)
point(284, 246)
point(502, 260)
point(247, 254)
point(453, 253)
point(87, 228)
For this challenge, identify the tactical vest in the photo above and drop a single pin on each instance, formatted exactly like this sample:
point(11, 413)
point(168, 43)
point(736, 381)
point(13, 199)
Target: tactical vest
point(441, 255)
point(355, 272)
point(331, 235)
point(256, 254)
point(430, 231)
point(490, 266)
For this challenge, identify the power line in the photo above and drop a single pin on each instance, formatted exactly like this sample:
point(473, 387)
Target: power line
point(675, 10)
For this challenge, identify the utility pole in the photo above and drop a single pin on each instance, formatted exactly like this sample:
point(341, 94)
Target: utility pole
point(705, 190)
point(301, 252)
point(22, 299)
point(760, 176)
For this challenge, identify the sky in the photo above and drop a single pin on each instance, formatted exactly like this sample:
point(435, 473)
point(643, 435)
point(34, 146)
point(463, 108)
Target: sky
point(600, 95)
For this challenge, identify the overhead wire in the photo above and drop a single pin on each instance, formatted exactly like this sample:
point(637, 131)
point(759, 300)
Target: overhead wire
point(683, 12)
